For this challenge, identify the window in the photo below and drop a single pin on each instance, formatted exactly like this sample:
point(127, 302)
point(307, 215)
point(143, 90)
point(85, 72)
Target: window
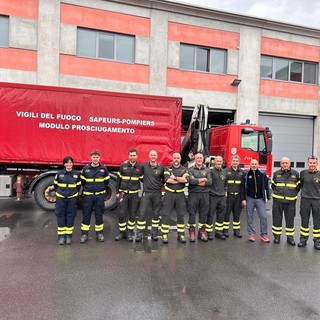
point(105, 45)
point(203, 59)
point(253, 140)
point(4, 31)
point(288, 70)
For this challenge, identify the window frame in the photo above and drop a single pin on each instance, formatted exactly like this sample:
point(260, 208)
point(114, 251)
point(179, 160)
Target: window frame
point(99, 34)
point(209, 57)
point(5, 19)
point(290, 62)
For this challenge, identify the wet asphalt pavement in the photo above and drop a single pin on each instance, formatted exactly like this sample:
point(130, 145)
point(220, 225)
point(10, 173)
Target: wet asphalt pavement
point(232, 279)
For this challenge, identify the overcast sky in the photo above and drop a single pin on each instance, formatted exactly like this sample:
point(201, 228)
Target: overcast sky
point(300, 12)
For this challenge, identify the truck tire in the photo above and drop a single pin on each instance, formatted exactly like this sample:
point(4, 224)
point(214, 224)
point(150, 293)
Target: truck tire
point(111, 200)
point(44, 196)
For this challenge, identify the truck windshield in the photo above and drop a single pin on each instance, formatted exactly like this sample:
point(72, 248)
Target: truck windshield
point(253, 141)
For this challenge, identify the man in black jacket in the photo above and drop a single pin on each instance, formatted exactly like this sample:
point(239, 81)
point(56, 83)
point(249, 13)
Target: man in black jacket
point(255, 194)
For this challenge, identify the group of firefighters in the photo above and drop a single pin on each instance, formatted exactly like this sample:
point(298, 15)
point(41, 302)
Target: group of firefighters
point(212, 192)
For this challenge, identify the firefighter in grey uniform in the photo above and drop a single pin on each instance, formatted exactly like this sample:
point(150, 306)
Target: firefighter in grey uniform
point(234, 180)
point(66, 184)
point(198, 198)
point(175, 177)
point(285, 186)
point(128, 187)
point(217, 200)
point(95, 180)
point(310, 201)
point(151, 200)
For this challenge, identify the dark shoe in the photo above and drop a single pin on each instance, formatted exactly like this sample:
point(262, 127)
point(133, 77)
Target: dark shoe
point(192, 235)
point(219, 235)
point(100, 237)
point(181, 238)
point(68, 240)
point(84, 238)
point(290, 241)
point(61, 241)
point(165, 238)
point(226, 233)
point(120, 236)
point(303, 242)
point(277, 238)
point(202, 235)
point(317, 244)
point(154, 237)
point(139, 237)
point(210, 235)
point(237, 234)
point(130, 237)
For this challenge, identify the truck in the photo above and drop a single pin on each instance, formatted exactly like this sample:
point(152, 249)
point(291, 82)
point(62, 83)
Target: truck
point(40, 125)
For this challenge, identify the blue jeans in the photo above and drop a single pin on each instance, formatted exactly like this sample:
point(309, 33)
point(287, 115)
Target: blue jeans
point(260, 205)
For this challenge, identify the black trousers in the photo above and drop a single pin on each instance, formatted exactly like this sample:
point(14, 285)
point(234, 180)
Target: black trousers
point(308, 206)
point(65, 210)
point(92, 203)
point(234, 206)
point(150, 203)
point(198, 202)
point(218, 206)
point(289, 211)
point(173, 200)
point(128, 210)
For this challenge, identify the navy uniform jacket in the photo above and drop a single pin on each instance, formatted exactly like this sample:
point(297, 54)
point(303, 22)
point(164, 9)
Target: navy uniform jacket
point(95, 180)
point(67, 183)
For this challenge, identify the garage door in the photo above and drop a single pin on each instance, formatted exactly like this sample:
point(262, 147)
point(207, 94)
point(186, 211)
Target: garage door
point(292, 138)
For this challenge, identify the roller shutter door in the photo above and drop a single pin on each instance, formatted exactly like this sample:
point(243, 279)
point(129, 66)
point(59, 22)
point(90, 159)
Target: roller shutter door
point(292, 138)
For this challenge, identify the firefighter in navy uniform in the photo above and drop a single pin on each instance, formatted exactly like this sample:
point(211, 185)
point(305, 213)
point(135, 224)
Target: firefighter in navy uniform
point(285, 186)
point(217, 200)
point(151, 200)
point(128, 187)
point(95, 180)
point(310, 201)
point(198, 198)
point(175, 177)
point(66, 184)
point(234, 181)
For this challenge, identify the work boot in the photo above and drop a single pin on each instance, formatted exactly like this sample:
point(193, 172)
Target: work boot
point(202, 235)
point(210, 235)
point(303, 242)
point(61, 240)
point(100, 237)
point(219, 235)
point(165, 238)
point(120, 236)
point(317, 244)
point(277, 238)
point(139, 236)
point(84, 238)
point(68, 240)
point(129, 236)
point(154, 234)
point(226, 233)
point(290, 241)
point(181, 238)
point(237, 233)
point(192, 235)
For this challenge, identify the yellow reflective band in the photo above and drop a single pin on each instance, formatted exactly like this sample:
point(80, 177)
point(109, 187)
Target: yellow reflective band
point(166, 231)
point(141, 223)
point(219, 224)
point(180, 230)
point(123, 224)
point(316, 235)
point(155, 221)
point(276, 228)
point(230, 181)
point(129, 191)
point(280, 184)
point(305, 234)
point(122, 228)
point(316, 230)
point(85, 227)
point(172, 190)
point(98, 227)
point(291, 185)
point(304, 229)
point(289, 229)
point(131, 223)
point(200, 225)
point(289, 233)
point(226, 223)
point(69, 230)
point(277, 197)
point(237, 182)
point(59, 195)
point(119, 174)
point(87, 193)
point(167, 172)
point(209, 229)
point(141, 227)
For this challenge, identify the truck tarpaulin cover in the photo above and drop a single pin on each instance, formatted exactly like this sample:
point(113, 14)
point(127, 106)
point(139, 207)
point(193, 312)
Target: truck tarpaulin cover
point(44, 124)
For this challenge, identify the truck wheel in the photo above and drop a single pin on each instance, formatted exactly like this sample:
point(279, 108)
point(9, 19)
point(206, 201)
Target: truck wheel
point(111, 200)
point(44, 194)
